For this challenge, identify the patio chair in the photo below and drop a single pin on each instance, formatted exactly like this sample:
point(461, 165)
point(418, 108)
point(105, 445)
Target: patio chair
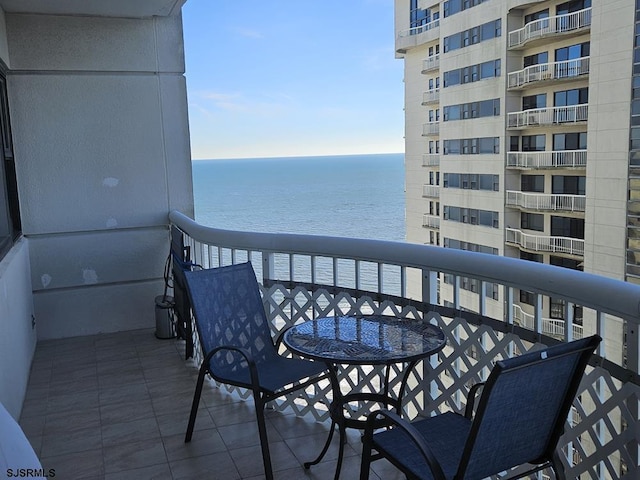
point(237, 345)
point(519, 418)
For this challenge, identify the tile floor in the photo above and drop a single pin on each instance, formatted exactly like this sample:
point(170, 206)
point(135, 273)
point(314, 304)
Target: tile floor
point(115, 406)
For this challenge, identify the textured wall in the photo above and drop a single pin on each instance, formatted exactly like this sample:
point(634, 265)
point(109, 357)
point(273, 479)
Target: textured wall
point(101, 139)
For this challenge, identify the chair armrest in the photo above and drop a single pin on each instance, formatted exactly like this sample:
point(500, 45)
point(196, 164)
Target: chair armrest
point(411, 432)
point(471, 399)
point(253, 370)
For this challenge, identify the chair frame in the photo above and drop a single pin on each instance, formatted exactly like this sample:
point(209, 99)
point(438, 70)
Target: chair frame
point(261, 395)
point(549, 459)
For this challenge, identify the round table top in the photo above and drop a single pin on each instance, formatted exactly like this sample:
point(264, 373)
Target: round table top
point(365, 339)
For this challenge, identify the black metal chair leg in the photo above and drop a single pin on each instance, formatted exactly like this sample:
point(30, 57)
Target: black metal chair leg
point(342, 430)
point(365, 464)
point(195, 404)
point(262, 432)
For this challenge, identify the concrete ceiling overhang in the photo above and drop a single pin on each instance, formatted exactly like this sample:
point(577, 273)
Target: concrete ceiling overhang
point(101, 8)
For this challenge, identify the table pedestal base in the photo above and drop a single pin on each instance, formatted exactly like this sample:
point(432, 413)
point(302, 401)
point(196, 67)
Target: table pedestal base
point(336, 410)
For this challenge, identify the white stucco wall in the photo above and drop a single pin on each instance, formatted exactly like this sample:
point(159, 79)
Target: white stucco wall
point(18, 339)
point(101, 138)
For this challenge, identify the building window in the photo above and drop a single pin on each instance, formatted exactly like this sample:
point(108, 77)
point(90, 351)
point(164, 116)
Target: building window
point(568, 185)
point(536, 59)
point(576, 96)
point(532, 221)
point(471, 216)
point(570, 141)
point(471, 146)
point(533, 143)
point(464, 111)
point(532, 183)
point(10, 222)
point(534, 101)
point(472, 73)
point(567, 227)
point(472, 181)
point(474, 35)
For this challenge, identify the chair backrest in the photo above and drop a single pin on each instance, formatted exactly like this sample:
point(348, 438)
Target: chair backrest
point(228, 310)
point(523, 408)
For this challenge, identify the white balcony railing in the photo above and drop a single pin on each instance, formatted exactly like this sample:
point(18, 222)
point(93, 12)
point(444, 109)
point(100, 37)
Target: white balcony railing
point(431, 63)
point(548, 159)
point(431, 128)
point(550, 326)
point(304, 276)
point(430, 159)
point(419, 29)
point(546, 201)
point(431, 96)
point(543, 27)
point(430, 221)
point(548, 116)
point(431, 191)
point(564, 70)
point(544, 243)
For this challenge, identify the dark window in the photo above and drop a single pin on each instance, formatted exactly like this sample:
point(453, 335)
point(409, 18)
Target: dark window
point(10, 222)
point(532, 221)
point(536, 59)
point(533, 143)
point(568, 185)
point(532, 17)
point(532, 183)
point(572, 6)
point(577, 96)
point(570, 141)
point(534, 101)
point(572, 52)
point(514, 143)
point(567, 227)
point(565, 262)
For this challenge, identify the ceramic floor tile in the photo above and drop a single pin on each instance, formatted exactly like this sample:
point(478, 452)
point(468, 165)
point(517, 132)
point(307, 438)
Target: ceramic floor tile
point(203, 442)
point(130, 456)
point(77, 466)
point(217, 465)
point(133, 431)
point(153, 472)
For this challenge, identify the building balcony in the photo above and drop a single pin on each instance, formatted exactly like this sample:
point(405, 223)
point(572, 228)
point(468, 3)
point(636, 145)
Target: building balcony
point(544, 243)
point(549, 326)
point(546, 202)
point(413, 37)
point(537, 117)
point(117, 404)
point(431, 96)
point(538, 31)
point(430, 128)
point(431, 63)
point(430, 221)
point(547, 159)
point(431, 191)
point(430, 159)
point(547, 72)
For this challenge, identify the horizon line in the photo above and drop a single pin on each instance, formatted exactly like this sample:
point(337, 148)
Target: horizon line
point(297, 156)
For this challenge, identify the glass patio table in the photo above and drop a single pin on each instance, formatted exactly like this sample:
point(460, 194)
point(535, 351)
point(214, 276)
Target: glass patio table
point(376, 340)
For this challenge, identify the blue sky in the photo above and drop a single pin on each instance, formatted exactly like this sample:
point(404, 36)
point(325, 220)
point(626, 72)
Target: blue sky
point(292, 78)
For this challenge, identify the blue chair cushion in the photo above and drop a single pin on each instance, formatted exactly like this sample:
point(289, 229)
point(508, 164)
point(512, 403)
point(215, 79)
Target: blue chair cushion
point(445, 435)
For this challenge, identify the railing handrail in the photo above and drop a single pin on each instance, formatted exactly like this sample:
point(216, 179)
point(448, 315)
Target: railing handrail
point(600, 293)
point(549, 70)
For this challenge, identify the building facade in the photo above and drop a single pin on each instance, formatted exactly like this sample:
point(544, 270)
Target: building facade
point(522, 136)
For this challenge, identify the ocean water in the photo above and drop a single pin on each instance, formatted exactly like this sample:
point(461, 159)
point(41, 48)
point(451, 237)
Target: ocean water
point(359, 196)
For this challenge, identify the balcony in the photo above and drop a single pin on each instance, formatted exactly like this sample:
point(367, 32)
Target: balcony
point(431, 191)
point(545, 201)
point(431, 63)
point(545, 244)
point(431, 96)
point(430, 128)
point(546, 72)
point(537, 117)
point(430, 159)
point(547, 159)
point(549, 326)
point(413, 37)
point(117, 403)
point(532, 33)
point(430, 221)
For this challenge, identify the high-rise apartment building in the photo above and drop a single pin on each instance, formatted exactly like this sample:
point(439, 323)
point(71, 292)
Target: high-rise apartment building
point(523, 136)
